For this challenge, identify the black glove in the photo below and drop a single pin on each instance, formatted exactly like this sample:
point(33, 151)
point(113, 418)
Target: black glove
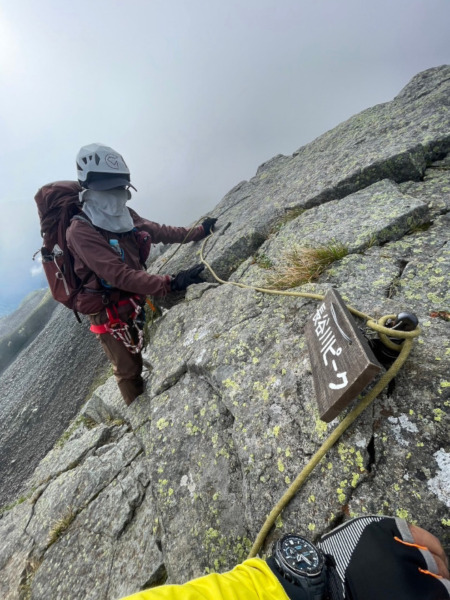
point(184, 278)
point(208, 225)
point(373, 558)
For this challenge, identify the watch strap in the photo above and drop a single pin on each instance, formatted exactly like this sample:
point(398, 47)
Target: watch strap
point(293, 591)
point(318, 586)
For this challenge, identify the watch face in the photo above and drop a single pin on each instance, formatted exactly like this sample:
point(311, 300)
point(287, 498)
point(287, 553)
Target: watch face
point(300, 555)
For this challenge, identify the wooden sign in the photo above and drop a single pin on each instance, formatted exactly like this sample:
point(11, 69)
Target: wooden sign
point(342, 362)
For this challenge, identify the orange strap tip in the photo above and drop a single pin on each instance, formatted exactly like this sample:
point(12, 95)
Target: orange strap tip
point(151, 305)
point(397, 539)
point(425, 572)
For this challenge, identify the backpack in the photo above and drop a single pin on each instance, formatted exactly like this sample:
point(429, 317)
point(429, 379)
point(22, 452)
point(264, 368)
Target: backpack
point(58, 203)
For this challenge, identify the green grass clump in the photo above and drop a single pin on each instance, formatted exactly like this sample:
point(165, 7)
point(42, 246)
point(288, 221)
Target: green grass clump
point(303, 265)
point(60, 526)
point(81, 419)
point(13, 504)
point(31, 568)
point(263, 261)
point(290, 214)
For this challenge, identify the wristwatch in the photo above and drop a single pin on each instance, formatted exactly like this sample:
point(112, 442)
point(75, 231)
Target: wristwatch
point(300, 565)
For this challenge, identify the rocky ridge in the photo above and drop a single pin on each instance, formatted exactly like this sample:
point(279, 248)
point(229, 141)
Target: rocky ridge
point(180, 483)
point(21, 327)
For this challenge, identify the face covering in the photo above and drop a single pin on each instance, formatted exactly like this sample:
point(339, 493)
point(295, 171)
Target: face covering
point(107, 209)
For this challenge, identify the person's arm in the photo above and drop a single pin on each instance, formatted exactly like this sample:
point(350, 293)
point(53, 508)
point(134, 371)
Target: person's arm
point(368, 558)
point(252, 580)
point(93, 250)
point(165, 233)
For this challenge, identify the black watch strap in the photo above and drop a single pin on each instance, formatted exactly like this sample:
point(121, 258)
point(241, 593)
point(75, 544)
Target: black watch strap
point(293, 592)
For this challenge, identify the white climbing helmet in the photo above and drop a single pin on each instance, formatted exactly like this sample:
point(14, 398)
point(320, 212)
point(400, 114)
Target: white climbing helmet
point(100, 167)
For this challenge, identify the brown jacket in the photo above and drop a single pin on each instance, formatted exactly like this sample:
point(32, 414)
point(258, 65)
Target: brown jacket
point(95, 260)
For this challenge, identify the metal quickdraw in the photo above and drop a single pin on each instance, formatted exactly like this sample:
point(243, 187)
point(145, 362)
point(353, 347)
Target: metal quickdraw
point(131, 333)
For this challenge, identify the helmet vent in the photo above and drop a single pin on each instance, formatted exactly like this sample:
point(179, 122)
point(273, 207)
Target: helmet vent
point(97, 158)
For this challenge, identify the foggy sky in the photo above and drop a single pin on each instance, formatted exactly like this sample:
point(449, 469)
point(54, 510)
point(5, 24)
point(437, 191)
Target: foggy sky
point(195, 94)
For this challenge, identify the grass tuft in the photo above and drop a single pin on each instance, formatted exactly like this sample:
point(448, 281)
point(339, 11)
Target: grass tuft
point(80, 420)
point(60, 526)
point(263, 261)
point(420, 227)
point(303, 265)
point(13, 504)
point(290, 214)
point(31, 568)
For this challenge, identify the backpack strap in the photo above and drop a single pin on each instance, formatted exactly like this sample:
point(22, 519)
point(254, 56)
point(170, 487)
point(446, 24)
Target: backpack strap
point(105, 290)
point(79, 217)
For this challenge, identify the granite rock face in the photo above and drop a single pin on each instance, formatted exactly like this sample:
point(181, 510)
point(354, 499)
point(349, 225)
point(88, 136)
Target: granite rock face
point(41, 391)
point(180, 483)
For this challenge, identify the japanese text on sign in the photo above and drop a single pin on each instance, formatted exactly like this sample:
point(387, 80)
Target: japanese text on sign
point(328, 348)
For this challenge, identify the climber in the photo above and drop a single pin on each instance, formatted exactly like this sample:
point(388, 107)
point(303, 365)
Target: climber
point(109, 243)
point(367, 558)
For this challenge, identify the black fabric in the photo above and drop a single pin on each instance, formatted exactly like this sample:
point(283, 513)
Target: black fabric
point(397, 575)
point(293, 592)
point(185, 278)
point(375, 566)
point(208, 225)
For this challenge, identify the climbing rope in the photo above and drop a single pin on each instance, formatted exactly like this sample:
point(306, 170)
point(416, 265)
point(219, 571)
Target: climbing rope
point(383, 332)
point(329, 442)
point(183, 242)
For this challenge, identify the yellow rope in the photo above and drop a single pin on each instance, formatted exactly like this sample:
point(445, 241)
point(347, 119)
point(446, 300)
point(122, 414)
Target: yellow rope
point(329, 442)
point(384, 334)
point(180, 244)
point(382, 331)
point(404, 349)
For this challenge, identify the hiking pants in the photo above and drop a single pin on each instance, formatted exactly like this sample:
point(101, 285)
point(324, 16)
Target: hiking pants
point(127, 367)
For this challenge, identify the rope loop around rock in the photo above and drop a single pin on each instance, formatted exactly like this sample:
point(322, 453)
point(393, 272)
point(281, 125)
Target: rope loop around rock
point(384, 334)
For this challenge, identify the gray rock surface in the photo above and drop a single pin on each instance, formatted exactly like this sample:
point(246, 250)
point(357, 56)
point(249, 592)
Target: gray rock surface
point(41, 392)
point(179, 483)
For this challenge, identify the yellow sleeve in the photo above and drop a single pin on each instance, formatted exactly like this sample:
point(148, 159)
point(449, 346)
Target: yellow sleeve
point(252, 580)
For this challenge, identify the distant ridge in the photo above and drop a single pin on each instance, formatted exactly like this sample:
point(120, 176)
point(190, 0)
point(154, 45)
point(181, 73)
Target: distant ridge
point(11, 317)
point(18, 329)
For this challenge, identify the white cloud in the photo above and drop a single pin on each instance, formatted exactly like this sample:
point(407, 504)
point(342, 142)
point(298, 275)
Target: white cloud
point(194, 95)
point(37, 269)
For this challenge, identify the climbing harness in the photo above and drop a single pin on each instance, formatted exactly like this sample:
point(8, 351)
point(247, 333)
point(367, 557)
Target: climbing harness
point(130, 333)
point(385, 333)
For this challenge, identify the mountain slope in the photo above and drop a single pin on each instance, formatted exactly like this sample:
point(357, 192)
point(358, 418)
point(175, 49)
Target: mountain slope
point(179, 483)
point(22, 326)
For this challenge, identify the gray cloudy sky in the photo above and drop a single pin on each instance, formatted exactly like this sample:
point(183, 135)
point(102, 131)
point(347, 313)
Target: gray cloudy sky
point(195, 94)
